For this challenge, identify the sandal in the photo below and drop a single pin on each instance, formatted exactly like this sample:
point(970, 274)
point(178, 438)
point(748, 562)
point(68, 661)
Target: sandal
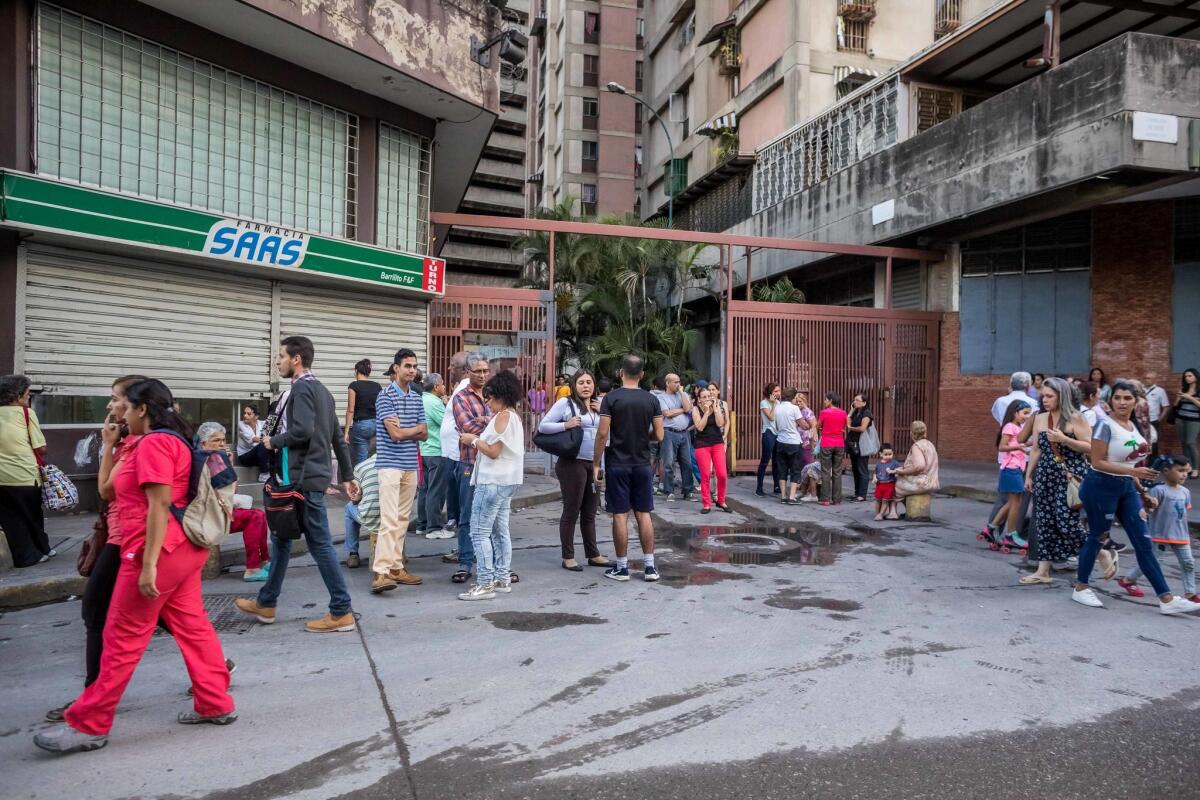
point(460, 576)
point(1108, 563)
point(1034, 580)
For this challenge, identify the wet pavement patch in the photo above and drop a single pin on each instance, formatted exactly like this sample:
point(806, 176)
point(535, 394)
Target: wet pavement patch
point(797, 599)
point(532, 622)
point(808, 544)
point(894, 552)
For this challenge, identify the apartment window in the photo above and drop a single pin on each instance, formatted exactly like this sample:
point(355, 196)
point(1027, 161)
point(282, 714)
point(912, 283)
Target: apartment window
point(403, 191)
point(1025, 298)
point(852, 34)
point(637, 117)
point(638, 69)
point(541, 151)
point(591, 155)
point(587, 200)
point(591, 27)
point(640, 28)
point(687, 32)
point(1185, 298)
point(120, 112)
point(675, 175)
point(591, 70)
point(637, 161)
point(591, 113)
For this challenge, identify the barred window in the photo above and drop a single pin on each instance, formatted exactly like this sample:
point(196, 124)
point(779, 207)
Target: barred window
point(120, 112)
point(403, 207)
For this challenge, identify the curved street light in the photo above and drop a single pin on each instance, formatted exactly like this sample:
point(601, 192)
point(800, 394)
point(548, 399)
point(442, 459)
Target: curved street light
point(617, 88)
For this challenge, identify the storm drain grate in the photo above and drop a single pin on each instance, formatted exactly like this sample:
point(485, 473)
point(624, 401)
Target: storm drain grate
point(224, 614)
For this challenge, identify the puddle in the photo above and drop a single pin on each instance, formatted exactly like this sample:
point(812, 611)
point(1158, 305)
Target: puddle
point(771, 544)
point(796, 599)
point(532, 622)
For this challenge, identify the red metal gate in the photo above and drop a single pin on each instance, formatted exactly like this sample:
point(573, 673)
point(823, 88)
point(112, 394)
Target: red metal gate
point(889, 356)
point(513, 327)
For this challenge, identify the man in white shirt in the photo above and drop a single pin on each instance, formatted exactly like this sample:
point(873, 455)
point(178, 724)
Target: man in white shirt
point(1019, 386)
point(1159, 402)
point(787, 446)
point(456, 381)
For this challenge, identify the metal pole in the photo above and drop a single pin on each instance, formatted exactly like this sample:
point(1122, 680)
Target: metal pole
point(887, 282)
point(670, 160)
point(749, 295)
point(727, 366)
point(552, 345)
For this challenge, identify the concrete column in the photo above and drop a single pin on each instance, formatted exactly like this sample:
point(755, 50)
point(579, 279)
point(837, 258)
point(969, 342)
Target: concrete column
point(942, 280)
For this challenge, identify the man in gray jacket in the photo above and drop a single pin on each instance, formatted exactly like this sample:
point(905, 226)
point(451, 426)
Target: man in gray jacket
point(302, 436)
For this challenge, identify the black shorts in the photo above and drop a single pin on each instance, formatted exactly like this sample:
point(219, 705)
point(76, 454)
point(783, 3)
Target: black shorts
point(629, 488)
point(791, 461)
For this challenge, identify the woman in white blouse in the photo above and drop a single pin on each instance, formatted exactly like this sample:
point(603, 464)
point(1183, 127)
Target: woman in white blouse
point(499, 471)
point(579, 409)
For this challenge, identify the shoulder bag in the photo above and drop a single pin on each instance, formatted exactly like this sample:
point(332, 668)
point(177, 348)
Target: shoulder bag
point(868, 441)
point(283, 504)
point(1172, 414)
point(1074, 482)
point(58, 493)
point(564, 444)
point(89, 551)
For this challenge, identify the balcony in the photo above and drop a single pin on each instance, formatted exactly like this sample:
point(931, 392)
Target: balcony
point(857, 10)
point(947, 17)
point(729, 55)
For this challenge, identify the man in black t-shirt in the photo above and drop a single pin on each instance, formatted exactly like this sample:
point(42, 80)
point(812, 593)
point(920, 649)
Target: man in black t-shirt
point(629, 417)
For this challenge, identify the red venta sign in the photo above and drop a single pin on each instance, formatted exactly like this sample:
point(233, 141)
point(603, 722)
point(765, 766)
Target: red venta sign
point(434, 275)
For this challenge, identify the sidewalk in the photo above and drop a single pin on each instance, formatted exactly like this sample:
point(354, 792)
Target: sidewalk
point(57, 578)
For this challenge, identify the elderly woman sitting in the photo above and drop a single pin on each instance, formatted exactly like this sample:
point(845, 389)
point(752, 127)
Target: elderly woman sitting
point(252, 522)
point(919, 475)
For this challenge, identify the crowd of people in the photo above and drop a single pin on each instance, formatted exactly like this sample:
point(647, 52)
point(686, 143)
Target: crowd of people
point(448, 453)
point(1074, 457)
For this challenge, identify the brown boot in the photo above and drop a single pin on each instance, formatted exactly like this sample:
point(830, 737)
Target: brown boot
point(405, 577)
point(382, 583)
point(249, 605)
point(331, 624)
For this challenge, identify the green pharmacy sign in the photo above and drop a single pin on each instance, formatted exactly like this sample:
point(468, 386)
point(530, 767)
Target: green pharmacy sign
point(40, 204)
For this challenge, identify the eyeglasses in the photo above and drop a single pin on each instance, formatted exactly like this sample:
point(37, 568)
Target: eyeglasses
point(480, 371)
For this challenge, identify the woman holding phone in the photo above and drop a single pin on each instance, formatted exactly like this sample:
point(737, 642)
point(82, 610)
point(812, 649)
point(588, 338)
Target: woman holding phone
point(1113, 490)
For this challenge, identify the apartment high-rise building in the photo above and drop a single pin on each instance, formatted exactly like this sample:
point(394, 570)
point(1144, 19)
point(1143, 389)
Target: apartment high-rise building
point(497, 188)
point(727, 77)
point(583, 141)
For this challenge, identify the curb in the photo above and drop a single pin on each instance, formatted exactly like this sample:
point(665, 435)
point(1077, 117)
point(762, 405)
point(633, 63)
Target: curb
point(969, 493)
point(50, 590)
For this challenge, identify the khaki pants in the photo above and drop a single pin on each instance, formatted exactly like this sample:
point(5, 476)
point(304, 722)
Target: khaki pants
point(397, 489)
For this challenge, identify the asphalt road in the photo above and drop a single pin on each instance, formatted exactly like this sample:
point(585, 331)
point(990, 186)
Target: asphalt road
point(906, 663)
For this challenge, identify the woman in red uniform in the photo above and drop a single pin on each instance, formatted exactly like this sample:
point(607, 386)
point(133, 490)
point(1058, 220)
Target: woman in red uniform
point(159, 576)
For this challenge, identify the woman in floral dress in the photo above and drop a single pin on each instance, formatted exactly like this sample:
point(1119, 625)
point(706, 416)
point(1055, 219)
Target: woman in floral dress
point(1064, 441)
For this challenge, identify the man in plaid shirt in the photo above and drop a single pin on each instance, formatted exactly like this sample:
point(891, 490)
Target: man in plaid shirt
point(471, 415)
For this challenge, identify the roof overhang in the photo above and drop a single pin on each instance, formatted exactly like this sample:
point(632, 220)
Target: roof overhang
point(989, 53)
point(715, 32)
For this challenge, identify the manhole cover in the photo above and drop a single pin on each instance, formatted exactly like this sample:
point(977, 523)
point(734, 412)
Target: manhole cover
point(224, 614)
point(742, 548)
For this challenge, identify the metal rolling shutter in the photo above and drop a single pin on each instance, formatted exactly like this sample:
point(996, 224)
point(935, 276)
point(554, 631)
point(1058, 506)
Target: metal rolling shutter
point(346, 327)
point(91, 317)
point(907, 289)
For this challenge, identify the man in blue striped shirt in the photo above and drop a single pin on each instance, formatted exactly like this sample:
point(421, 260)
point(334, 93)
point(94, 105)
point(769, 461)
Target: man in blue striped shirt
point(399, 430)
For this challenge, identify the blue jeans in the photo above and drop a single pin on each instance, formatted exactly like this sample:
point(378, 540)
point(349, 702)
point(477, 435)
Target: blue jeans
point(353, 527)
point(489, 532)
point(768, 457)
point(676, 447)
point(1187, 565)
point(466, 496)
point(451, 489)
point(1106, 497)
point(431, 494)
point(320, 547)
point(362, 433)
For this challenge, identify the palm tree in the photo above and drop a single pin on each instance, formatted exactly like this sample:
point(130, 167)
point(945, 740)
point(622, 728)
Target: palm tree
point(781, 291)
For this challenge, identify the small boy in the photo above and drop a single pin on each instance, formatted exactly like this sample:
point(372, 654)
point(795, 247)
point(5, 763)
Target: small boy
point(1168, 503)
point(885, 483)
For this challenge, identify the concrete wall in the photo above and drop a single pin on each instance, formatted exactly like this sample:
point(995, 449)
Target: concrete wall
point(762, 122)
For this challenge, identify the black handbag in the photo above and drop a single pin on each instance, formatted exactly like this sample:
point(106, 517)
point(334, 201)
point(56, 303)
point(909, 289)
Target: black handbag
point(285, 510)
point(564, 444)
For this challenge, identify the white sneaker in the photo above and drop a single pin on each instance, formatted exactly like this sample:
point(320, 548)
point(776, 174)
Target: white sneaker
point(263, 477)
point(1088, 598)
point(1178, 605)
point(479, 592)
point(808, 498)
point(502, 586)
point(442, 534)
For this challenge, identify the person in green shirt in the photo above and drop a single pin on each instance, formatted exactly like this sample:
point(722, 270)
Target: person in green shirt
point(431, 493)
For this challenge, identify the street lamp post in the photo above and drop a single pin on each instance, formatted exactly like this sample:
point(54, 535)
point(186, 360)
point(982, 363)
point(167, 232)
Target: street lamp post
point(617, 88)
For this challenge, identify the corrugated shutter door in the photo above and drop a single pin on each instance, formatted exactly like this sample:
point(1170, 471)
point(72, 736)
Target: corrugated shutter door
point(346, 327)
point(906, 287)
point(90, 318)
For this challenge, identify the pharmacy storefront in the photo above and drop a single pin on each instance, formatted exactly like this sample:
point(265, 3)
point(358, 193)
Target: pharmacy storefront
point(110, 284)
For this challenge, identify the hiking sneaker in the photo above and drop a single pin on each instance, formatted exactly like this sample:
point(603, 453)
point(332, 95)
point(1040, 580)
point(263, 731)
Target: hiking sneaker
point(650, 574)
point(1088, 598)
point(617, 573)
point(196, 718)
point(405, 577)
point(249, 605)
point(1178, 605)
point(444, 533)
point(63, 739)
point(331, 624)
point(382, 582)
point(480, 591)
point(229, 665)
point(504, 587)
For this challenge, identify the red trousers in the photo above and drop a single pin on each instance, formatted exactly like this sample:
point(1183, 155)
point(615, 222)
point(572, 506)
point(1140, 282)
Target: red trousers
point(709, 459)
point(130, 624)
point(252, 522)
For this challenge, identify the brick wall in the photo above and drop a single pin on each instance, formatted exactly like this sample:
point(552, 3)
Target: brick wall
point(1131, 327)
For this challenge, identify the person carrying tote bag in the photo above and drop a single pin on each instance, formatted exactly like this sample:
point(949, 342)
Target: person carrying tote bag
point(21, 445)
